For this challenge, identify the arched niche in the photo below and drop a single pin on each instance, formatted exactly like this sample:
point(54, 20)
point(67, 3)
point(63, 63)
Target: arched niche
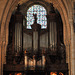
point(5, 24)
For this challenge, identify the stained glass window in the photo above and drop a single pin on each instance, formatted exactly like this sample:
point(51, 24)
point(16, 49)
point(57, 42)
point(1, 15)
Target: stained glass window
point(41, 16)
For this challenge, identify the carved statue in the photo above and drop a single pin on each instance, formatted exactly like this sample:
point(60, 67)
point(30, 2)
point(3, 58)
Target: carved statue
point(35, 18)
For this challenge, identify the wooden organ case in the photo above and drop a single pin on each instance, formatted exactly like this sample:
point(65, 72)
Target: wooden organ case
point(35, 51)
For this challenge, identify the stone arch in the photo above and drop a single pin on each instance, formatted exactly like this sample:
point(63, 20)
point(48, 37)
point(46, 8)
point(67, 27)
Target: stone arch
point(57, 4)
point(61, 10)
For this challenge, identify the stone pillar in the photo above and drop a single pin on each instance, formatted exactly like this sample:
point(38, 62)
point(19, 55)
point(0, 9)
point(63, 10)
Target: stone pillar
point(2, 51)
point(0, 58)
point(72, 51)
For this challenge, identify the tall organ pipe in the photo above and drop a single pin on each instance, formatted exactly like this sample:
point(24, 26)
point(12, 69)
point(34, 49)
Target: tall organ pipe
point(52, 31)
point(18, 31)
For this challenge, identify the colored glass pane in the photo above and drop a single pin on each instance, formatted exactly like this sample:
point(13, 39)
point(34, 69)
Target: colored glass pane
point(41, 16)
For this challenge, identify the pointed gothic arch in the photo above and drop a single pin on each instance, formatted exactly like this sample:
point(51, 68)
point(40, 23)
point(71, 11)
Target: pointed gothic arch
point(61, 9)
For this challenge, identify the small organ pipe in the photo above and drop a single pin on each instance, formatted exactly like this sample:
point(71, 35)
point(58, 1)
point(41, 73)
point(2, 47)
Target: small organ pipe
point(50, 34)
point(54, 36)
point(35, 40)
point(15, 37)
point(19, 38)
point(43, 61)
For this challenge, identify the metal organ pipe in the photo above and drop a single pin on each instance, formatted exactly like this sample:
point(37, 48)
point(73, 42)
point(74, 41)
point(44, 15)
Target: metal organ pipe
point(43, 61)
point(35, 40)
point(52, 31)
point(20, 45)
point(18, 31)
point(18, 36)
point(52, 35)
point(55, 35)
point(19, 39)
point(15, 38)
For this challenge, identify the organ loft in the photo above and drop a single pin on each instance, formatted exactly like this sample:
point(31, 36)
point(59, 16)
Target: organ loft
point(35, 45)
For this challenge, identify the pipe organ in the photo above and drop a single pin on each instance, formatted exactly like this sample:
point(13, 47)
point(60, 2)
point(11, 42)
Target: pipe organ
point(35, 50)
point(18, 37)
point(52, 31)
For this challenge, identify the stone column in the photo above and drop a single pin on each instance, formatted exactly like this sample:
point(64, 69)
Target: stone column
point(2, 56)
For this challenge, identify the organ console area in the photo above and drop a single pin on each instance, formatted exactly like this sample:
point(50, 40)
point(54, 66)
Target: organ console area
point(35, 51)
